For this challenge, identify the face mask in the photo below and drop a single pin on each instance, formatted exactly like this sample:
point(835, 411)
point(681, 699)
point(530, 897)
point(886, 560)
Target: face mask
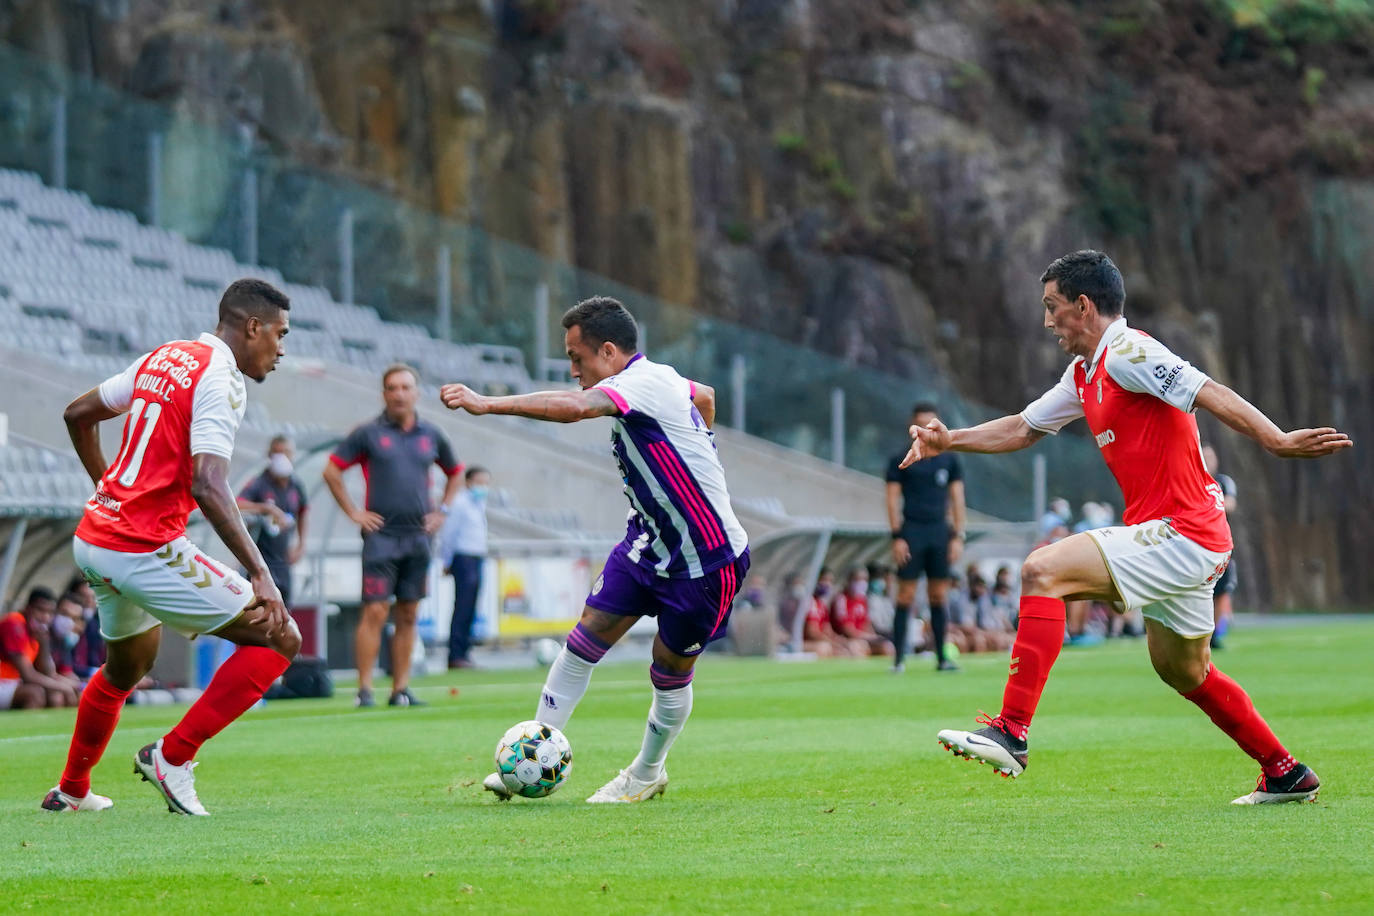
point(822, 590)
point(858, 589)
point(479, 493)
point(754, 596)
point(879, 588)
point(279, 465)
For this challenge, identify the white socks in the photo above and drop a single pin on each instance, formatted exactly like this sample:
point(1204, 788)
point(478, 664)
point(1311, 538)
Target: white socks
point(568, 678)
point(667, 716)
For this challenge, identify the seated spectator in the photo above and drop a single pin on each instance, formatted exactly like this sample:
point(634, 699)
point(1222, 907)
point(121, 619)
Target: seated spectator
point(1004, 592)
point(89, 653)
point(28, 678)
point(881, 610)
point(817, 634)
point(68, 629)
point(992, 627)
point(792, 598)
point(849, 614)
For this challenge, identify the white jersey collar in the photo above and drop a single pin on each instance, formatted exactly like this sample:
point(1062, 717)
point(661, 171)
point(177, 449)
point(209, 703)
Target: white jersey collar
point(1116, 327)
point(218, 343)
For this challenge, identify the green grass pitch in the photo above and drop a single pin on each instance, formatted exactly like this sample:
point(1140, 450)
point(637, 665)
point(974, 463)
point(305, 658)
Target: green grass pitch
point(795, 788)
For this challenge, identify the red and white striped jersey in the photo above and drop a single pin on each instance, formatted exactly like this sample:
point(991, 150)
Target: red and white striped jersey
point(1137, 397)
point(185, 398)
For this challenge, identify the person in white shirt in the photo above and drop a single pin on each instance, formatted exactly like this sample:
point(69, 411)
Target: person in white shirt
point(463, 547)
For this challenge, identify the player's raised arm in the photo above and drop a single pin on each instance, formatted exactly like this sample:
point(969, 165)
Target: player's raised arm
point(555, 406)
point(1242, 416)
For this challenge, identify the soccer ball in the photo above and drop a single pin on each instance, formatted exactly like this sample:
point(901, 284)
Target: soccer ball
point(533, 759)
point(546, 650)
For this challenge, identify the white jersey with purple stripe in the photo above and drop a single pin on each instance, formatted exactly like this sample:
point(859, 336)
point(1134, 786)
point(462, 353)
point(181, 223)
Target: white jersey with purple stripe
point(681, 524)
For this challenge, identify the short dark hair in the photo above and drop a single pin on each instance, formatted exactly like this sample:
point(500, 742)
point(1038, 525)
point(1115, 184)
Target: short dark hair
point(924, 407)
point(251, 298)
point(400, 367)
point(73, 597)
point(1089, 273)
point(602, 318)
point(280, 439)
point(40, 593)
point(473, 472)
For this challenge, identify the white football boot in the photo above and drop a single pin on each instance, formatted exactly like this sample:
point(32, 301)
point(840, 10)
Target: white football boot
point(626, 788)
point(176, 784)
point(1300, 784)
point(494, 784)
point(57, 800)
point(994, 744)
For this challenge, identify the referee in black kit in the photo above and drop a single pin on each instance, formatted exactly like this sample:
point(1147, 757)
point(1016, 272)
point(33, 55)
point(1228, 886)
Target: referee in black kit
point(395, 450)
point(925, 509)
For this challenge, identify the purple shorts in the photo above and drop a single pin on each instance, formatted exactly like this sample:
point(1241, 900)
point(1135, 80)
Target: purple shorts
point(690, 612)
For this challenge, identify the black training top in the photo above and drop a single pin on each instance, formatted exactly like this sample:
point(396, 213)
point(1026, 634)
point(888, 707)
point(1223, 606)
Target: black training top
point(395, 464)
point(290, 498)
point(925, 486)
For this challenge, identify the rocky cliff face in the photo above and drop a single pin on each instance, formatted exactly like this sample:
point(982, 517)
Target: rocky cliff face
point(881, 179)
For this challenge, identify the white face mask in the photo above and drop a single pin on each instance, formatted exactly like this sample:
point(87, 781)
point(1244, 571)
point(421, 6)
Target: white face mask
point(279, 465)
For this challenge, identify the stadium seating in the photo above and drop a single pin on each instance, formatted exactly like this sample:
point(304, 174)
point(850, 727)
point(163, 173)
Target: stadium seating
point(76, 278)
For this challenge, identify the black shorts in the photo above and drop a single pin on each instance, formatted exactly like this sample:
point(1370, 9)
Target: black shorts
point(395, 565)
point(1227, 583)
point(929, 551)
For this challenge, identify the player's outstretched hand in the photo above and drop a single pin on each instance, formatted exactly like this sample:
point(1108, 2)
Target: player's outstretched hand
point(457, 396)
point(1311, 443)
point(267, 606)
point(927, 442)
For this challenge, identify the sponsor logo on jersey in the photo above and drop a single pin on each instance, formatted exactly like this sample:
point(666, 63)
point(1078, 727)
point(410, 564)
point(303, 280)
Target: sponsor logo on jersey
point(597, 585)
point(1105, 438)
point(694, 647)
point(1169, 378)
point(942, 477)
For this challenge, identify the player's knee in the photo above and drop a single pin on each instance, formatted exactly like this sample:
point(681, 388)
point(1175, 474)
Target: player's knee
point(1182, 674)
point(287, 643)
point(1038, 576)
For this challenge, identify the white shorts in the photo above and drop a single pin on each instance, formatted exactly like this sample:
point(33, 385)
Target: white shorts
point(175, 585)
point(8, 687)
point(1165, 575)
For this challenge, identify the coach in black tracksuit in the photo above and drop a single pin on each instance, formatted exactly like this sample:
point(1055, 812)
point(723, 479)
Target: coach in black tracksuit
point(925, 508)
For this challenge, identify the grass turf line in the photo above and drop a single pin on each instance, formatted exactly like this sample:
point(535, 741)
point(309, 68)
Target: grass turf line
point(799, 788)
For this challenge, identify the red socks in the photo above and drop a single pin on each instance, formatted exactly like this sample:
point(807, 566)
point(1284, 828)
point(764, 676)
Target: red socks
point(96, 717)
point(1229, 706)
point(1039, 636)
point(237, 685)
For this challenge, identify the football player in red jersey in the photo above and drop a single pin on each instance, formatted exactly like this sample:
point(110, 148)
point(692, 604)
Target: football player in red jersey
point(1138, 399)
point(184, 403)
